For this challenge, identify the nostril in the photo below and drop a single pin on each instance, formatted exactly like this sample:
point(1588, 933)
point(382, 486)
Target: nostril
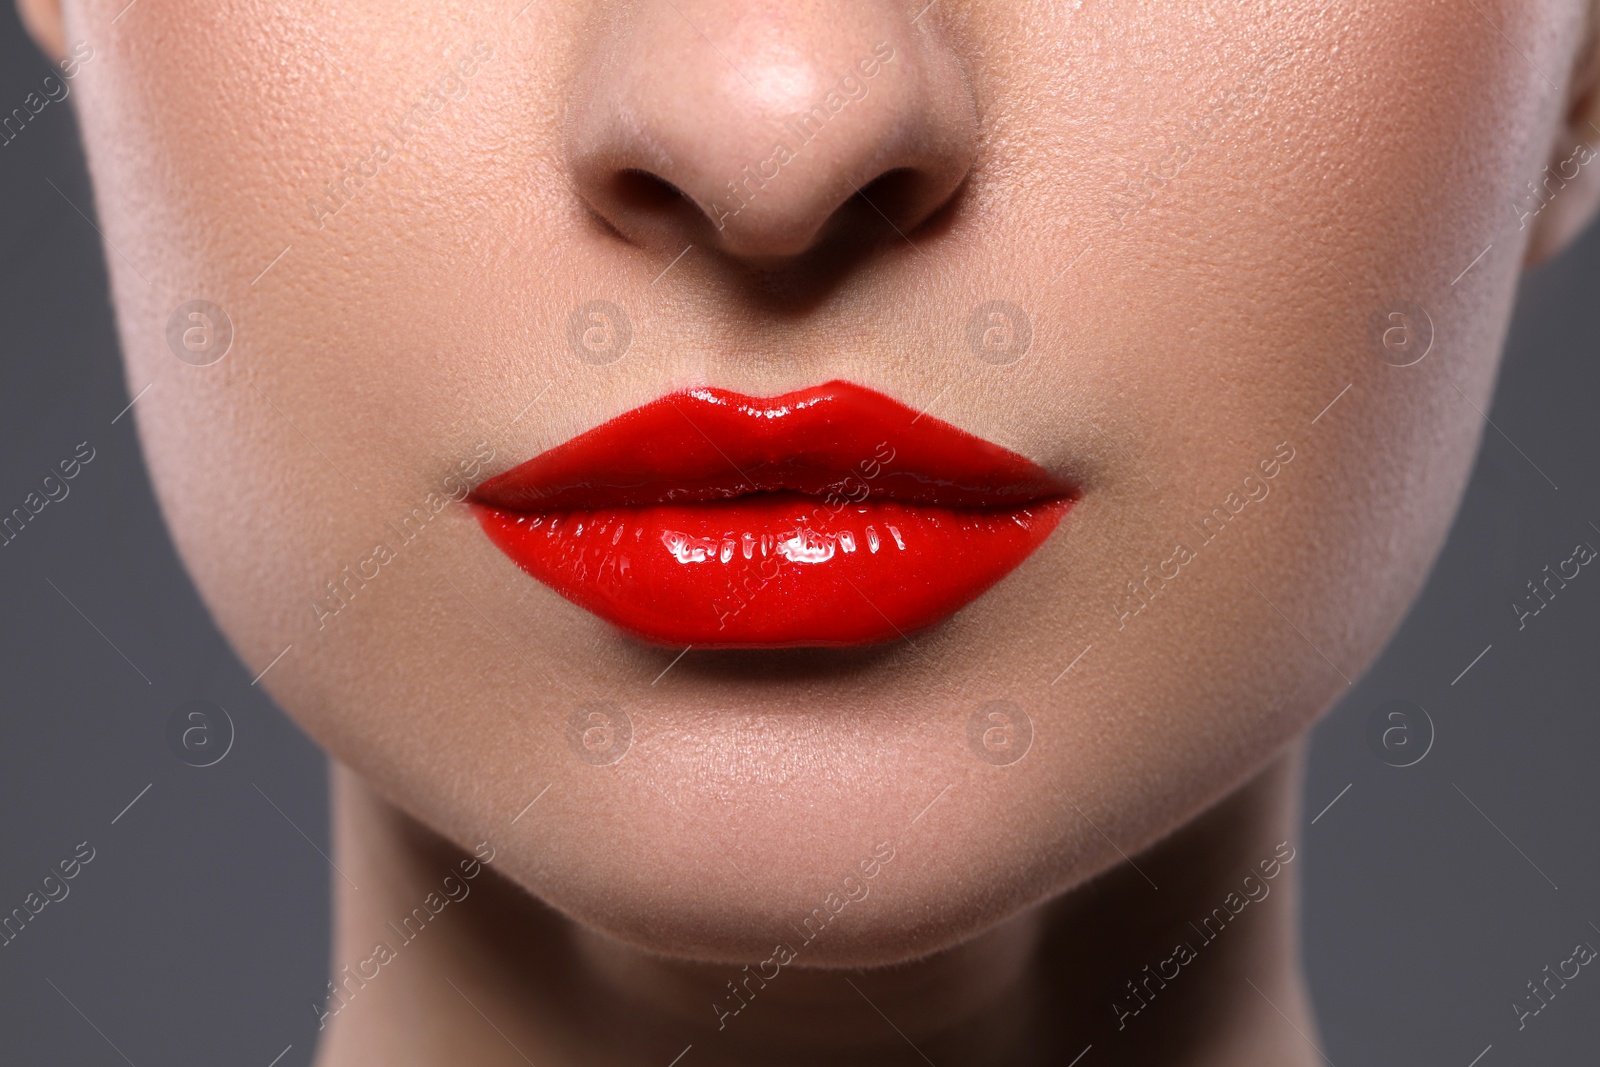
point(640, 205)
point(895, 193)
point(639, 190)
point(905, 198)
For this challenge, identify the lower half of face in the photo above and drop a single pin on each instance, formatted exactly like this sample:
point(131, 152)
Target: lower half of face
point(1220, 269)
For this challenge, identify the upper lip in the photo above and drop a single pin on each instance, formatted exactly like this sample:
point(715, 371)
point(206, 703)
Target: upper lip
point(707, 444)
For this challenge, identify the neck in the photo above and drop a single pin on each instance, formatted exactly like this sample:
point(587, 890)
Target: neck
point(1179, 960)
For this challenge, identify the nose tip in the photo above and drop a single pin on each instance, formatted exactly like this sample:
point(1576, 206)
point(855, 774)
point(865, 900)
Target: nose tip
point(747, 127)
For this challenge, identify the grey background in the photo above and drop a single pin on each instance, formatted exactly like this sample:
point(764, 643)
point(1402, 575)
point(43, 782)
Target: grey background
point(198, 934)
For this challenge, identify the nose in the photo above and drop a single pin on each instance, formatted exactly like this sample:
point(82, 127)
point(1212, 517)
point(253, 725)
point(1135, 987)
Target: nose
point(748, 125)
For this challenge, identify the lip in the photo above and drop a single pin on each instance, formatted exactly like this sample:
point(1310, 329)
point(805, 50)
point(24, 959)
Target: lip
point(831, 516)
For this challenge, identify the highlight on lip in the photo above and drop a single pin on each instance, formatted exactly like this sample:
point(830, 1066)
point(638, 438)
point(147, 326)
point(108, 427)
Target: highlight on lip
point(830, 516)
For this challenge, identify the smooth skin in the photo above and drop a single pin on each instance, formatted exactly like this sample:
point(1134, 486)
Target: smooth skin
point(1208, 213)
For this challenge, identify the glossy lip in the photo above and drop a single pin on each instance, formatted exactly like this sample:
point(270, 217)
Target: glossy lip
point(831, 516)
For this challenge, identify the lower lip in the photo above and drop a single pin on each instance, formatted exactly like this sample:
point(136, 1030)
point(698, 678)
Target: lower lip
point(772, 570)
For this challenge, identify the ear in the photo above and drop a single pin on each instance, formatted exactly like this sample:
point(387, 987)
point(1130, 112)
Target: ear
point(1564, 195)
point(42, 20)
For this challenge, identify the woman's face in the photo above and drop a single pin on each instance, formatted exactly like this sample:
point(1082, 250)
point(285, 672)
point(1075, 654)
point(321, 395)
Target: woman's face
point(1236, 273)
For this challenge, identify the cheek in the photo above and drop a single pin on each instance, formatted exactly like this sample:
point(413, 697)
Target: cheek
point(344, 281)
point(1219, 313)
point(327, 425)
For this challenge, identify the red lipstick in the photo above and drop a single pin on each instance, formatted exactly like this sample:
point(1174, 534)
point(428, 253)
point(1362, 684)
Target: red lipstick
point(830, 516)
